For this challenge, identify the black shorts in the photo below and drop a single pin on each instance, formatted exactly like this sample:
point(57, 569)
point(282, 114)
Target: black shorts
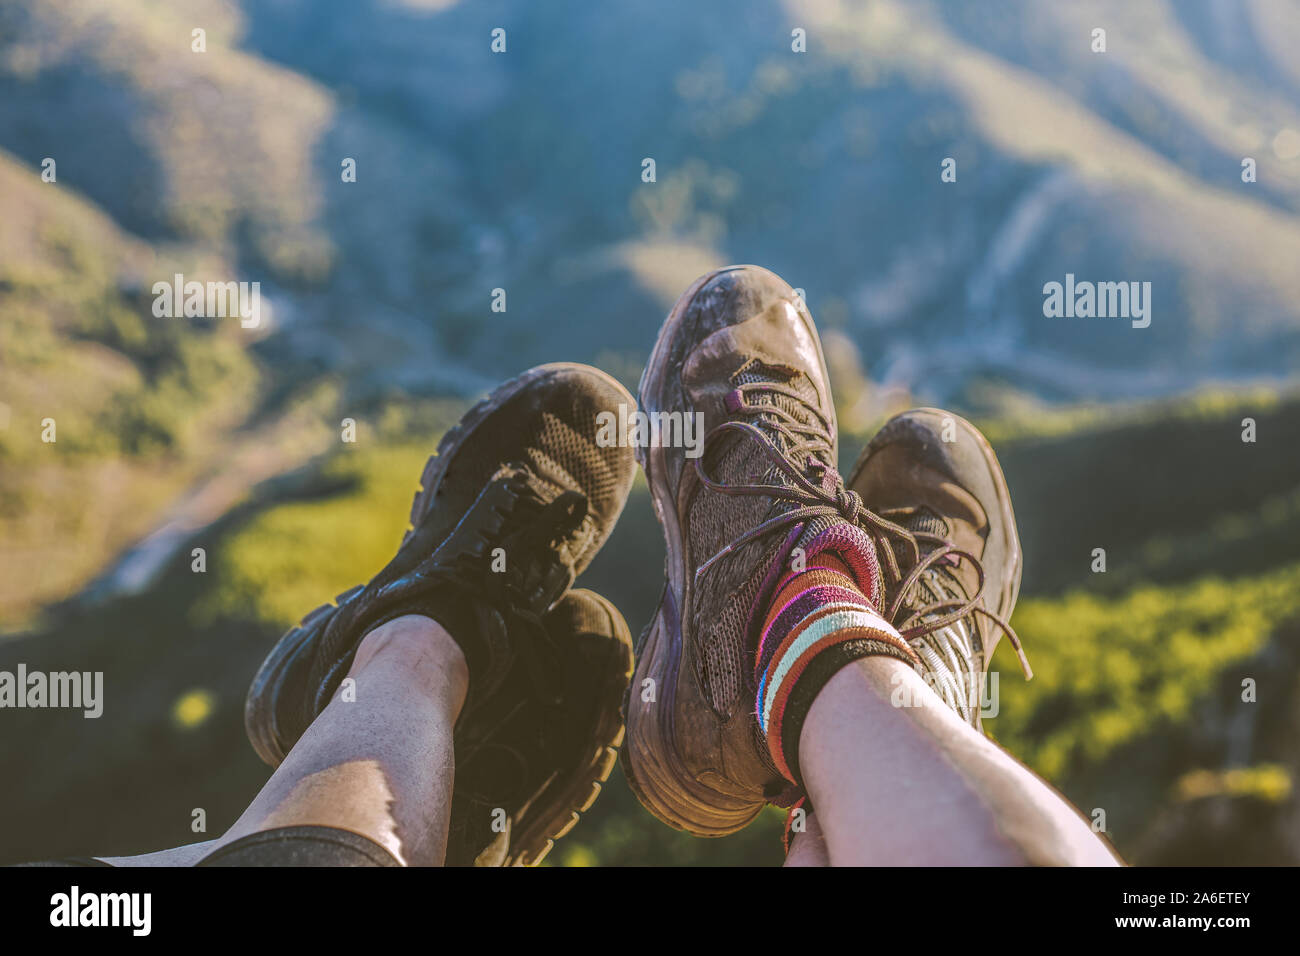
point(285, 846)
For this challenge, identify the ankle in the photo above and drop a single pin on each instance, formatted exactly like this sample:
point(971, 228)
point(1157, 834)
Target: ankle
point(818, 621)
point(418, 647)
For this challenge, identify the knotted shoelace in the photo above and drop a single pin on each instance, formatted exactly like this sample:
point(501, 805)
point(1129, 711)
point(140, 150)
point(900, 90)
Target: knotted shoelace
point(809, 436)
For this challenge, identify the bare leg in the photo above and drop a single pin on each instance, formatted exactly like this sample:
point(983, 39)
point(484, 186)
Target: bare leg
point(918, 786)
point(381, 766)
point(186, 855)
point(809, 847)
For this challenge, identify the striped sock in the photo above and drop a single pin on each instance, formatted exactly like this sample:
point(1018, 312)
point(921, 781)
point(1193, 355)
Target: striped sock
point(819, 619)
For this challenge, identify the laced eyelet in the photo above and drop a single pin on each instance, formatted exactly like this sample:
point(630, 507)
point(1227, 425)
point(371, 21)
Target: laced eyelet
point(812, 498)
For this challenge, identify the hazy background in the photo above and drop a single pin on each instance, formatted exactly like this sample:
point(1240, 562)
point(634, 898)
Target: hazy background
point(522, 171)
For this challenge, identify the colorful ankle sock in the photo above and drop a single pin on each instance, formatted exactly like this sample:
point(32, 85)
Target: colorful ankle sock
point(819, 619)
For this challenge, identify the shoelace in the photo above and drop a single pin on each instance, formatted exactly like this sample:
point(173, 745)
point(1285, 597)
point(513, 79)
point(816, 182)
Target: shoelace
point(528, 531)
point(949, 654)
point(533, 527)
point(947, 608)
point(811, 436)
point(541, 526)
point(530, 549)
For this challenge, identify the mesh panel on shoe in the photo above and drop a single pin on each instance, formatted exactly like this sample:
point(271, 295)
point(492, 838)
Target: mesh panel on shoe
point(953, 655)
point(726, 597)
point(924, 522)
point(566, 457)
point(754, 372)
point(579, 613)
point(551, 428)
point(570, 447)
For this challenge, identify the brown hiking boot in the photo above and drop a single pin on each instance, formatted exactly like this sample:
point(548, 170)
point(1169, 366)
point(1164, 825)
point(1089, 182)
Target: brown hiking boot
point(952, 582)
point(516, 502)
point(740, 351)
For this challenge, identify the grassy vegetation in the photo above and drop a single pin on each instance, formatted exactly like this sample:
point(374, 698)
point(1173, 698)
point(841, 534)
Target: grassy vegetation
point(291, 558)
point(1108, 671)
point(1127, 662)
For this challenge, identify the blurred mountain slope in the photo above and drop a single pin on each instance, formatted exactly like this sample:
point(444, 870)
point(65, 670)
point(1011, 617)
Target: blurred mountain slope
point(212, 146)
point(824, 165)
point(103, 417)
point(521, 171)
